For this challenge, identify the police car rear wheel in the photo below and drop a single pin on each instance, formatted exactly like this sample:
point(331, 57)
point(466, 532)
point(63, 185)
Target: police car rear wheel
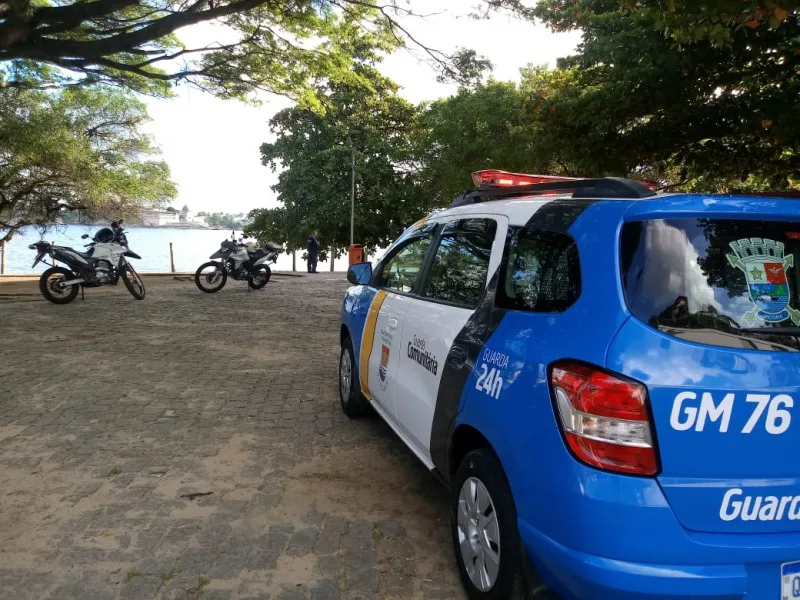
point(353, 402)
point(484, 527)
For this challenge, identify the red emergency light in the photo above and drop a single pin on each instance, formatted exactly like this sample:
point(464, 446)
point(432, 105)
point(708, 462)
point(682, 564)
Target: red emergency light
point(497, 178)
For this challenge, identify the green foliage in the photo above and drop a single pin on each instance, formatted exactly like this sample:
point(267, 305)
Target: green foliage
point(316, 149)
point(700, 96)
point(79, 148)
point(224, 220)
point(496, 125)
point(286, 47)
point(703, 95)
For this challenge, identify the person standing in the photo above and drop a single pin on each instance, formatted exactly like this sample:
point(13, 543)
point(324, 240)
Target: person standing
point(313, 252)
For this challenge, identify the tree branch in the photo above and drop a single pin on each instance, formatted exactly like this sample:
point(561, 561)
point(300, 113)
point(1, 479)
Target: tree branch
point(45, 48)
point(70, 16)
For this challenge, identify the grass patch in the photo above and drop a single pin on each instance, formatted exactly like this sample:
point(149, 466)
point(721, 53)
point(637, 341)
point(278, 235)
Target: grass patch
point(165, 577)
point(130, 575)
point(113, 472)
point(377, 534)
point(202, 582)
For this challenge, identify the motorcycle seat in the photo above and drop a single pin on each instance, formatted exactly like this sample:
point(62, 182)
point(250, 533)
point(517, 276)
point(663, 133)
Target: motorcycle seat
point(273, 247)
point(87, 254)
point(257, 253)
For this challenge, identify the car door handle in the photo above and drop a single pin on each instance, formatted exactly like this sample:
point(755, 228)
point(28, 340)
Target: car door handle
point(457, 356)
point(392, 323)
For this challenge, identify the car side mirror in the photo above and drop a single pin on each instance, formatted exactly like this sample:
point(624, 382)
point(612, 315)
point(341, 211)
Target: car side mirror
point(360, 273)
point(85, 236)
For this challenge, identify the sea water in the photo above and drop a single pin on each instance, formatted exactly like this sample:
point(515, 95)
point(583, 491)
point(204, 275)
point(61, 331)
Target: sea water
point(191, 248)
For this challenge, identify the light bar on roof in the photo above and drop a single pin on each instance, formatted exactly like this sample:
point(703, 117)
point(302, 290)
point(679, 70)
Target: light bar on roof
point(497, 178)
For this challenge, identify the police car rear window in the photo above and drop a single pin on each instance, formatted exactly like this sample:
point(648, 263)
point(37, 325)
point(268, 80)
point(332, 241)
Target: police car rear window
point(722, 282)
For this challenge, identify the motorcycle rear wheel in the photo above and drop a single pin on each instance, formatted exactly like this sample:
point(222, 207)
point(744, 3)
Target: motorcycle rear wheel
point(133, 282)
point(51, 285)
point(259, 277)
point(211, 281)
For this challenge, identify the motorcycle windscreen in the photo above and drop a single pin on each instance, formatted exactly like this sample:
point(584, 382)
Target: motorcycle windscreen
point(716, 339)
point(221, 253)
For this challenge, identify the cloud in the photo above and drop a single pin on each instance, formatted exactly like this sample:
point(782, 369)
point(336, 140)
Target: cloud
point(676, 272)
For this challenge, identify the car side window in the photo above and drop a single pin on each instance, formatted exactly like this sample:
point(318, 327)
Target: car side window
point(401, 270)
point(541, 271)
point(461, 264)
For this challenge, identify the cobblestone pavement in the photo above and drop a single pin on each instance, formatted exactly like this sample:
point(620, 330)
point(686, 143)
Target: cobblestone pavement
point(192, 446)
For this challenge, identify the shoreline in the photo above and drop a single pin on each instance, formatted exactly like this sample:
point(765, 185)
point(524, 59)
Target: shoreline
point(23, 277)
point(136, 226)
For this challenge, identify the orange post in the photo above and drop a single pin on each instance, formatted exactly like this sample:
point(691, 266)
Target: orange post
point(356, 254)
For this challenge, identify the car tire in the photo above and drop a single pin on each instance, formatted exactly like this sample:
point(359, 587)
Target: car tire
point(485, 535)
point(353, 403)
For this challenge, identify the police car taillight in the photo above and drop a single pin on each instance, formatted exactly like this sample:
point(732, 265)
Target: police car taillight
point(605, 419)
point(496, 178)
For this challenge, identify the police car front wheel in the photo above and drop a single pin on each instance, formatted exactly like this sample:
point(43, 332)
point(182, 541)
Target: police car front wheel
point(484, 528)
point(353, 402)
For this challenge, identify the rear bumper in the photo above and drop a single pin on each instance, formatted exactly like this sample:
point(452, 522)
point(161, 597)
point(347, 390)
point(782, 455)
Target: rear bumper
point(581, 576)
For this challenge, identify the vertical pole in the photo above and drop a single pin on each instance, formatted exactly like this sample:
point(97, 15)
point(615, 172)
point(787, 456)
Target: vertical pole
point(171, 258)
point(333, 255)
point(2, 257)
point(294, 260)
point(352, 193)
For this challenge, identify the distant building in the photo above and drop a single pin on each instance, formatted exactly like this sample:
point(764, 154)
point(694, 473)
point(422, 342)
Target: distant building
point(158, 218)
point(190, 218)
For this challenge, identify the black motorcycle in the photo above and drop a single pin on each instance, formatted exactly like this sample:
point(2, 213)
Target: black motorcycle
point(236, 260)
point(104, 263)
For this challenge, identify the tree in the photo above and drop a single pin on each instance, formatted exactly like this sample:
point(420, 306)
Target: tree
point(282, 47)
point(78, 149)
point(702, 95)
point(184, 213)
point(224, 220)
point(316, 151)
point(494, 125)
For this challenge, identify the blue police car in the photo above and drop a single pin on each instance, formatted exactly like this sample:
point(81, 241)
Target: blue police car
point(604, 377)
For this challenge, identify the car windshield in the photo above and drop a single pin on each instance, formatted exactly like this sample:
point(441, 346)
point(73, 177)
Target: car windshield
point(724, 282)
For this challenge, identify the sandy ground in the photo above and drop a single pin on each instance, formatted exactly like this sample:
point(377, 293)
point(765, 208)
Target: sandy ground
point(192, 446)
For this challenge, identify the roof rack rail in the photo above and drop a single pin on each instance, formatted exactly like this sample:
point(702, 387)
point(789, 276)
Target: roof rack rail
point(605, 187)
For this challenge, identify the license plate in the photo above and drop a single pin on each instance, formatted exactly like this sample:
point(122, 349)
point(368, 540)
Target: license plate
point(790, 580)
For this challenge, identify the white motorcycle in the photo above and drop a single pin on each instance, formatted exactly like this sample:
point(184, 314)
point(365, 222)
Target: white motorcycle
point(241, 261)
point(103, 264)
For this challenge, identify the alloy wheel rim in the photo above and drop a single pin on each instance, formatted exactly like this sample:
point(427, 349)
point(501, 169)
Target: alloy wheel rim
point(345, 375)
point(478, 534)
point(212, 277)
point(56, 285)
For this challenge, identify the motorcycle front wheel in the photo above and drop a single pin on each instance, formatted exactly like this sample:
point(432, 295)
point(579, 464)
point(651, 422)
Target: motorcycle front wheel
point(51, 285)
point(210, 277)
point(133, 282)
point(259, 277)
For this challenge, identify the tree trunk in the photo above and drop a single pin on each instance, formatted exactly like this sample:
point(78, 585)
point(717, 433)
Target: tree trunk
point(294, 260)
point(333, 254)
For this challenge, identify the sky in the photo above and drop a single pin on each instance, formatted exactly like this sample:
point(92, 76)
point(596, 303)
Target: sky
point(212, 145)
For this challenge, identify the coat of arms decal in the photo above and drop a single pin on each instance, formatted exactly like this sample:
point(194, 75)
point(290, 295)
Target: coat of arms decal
point(764, 265)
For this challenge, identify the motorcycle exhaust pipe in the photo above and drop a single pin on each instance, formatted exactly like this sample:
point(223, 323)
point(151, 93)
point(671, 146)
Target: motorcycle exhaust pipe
point(73, 282)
